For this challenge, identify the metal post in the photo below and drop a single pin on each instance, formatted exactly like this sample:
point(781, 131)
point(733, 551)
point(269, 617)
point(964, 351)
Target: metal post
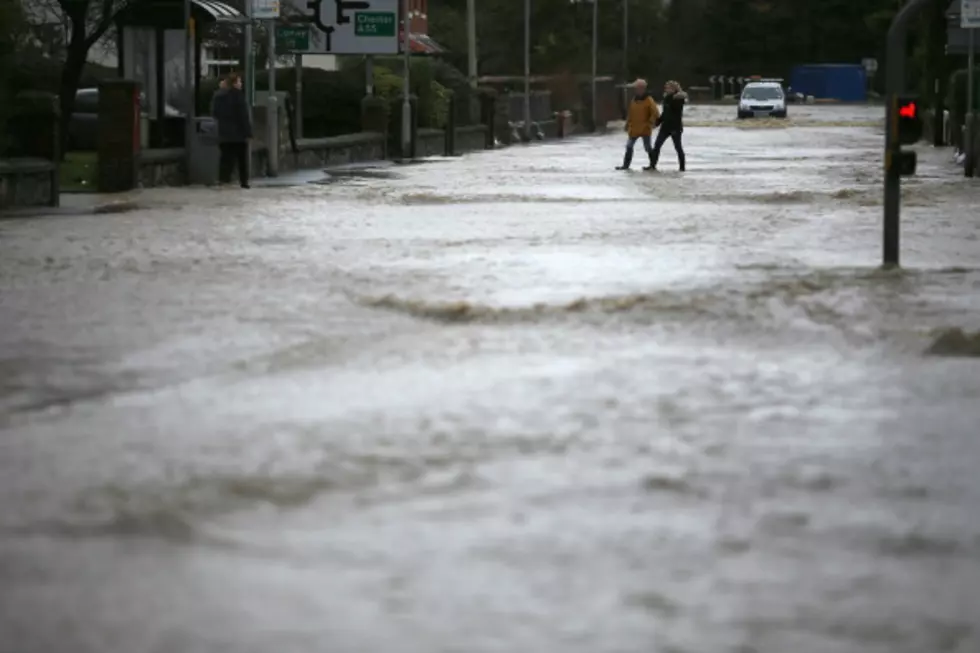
point(299, 96)
point(595, 63)
point(626, 40)
point(247, 57)
point(189, 87)
point(471, 41)
point(369, 75)
point(406, 85)
point(271, 39)
point(626, 57)
point(527, 70)
point(272, 107)
point(970, 158)
point(894, 83)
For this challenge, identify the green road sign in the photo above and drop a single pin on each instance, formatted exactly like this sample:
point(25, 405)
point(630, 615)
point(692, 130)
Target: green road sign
point(290, 38)
point(374, 23)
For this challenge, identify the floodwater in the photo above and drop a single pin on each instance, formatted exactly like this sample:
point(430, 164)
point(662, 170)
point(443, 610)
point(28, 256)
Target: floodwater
point(516, 401)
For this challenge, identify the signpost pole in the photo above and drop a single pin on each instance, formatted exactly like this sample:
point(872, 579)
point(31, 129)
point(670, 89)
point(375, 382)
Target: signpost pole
point(406, 85)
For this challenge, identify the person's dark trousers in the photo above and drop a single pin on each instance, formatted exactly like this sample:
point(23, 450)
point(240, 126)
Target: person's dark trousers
point(628, 156)
point(233, 155)
point(662, 137)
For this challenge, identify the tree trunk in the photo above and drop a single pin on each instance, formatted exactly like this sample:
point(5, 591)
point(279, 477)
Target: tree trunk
point(71, 75)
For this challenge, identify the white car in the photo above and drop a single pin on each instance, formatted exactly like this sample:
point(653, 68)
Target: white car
point(762, 99)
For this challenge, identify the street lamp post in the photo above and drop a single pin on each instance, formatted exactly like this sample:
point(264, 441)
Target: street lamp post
point(189, 88)
point(626, 55)
point(595, 62)
point(626, 40)
point(406, 85)
point(471, 40)
point(527, 70)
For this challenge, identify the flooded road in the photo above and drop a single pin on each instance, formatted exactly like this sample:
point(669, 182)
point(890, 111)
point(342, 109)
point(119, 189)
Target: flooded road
point(516, 401)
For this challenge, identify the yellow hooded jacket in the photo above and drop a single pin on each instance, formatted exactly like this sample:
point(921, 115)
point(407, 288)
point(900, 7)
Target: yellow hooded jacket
point(643, 114)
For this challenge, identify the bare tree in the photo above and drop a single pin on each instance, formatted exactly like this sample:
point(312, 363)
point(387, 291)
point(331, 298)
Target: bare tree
point(83, 23)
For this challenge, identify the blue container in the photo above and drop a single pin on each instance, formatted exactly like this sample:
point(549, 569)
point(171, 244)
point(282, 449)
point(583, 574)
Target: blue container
point(841, 82)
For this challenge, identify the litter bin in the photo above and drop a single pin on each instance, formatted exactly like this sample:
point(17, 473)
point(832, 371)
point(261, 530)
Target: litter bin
point(205, 153)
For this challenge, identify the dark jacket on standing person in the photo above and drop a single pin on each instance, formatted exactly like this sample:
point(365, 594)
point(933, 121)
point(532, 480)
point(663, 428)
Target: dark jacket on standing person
point(230, 109)
point(672, 118)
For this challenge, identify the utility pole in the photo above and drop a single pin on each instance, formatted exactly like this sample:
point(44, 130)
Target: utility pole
point(471, 41)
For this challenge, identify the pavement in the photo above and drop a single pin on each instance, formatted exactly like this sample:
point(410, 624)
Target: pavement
point(93, 203)
point(511, 401)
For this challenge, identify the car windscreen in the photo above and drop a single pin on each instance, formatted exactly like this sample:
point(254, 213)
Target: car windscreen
point(762, 93)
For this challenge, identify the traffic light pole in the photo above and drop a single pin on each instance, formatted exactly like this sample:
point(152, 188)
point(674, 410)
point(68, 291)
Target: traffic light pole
point(894, 84)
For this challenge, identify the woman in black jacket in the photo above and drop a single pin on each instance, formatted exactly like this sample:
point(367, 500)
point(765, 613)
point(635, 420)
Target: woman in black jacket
point(671, 123)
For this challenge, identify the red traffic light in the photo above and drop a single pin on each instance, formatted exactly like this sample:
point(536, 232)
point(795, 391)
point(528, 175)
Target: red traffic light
point(908, 110)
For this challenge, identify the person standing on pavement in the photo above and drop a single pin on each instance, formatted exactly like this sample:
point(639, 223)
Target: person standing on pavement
point(230, 109)
point(222, 86)
point(641, 116)
point(671, 123)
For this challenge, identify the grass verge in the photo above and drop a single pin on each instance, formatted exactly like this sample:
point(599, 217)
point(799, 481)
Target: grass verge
point(78, 172)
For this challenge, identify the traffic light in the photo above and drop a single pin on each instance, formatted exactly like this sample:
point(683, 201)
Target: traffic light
point(909, 120)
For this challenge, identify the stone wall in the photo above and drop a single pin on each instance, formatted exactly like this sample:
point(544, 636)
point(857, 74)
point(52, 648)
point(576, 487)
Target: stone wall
point(27, 182)
point(29, 174)
point(334, 151)
point(471, 138)
point(431, 142)
point(162, 167)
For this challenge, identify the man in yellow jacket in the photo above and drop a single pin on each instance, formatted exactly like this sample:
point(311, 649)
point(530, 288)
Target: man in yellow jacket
point(643, 115)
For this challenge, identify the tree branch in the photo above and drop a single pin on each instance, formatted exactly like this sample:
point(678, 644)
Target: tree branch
point(103, 21)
